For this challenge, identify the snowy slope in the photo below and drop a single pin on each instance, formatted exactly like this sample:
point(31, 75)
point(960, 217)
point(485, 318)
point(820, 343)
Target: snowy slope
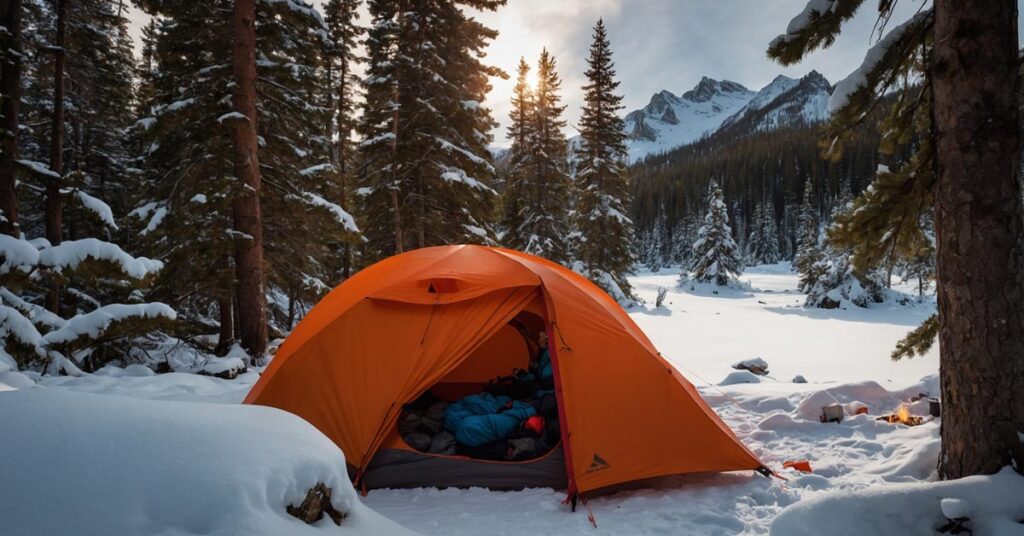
point(669, 121)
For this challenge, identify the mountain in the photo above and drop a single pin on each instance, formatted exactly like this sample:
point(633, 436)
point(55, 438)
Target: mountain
point(669, 121)
point(785, 102)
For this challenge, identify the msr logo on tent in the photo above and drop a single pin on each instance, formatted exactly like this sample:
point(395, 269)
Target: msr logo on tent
point(598, 464)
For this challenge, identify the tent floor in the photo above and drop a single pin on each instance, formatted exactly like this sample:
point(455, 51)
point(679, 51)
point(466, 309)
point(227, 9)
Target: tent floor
point(397, 468)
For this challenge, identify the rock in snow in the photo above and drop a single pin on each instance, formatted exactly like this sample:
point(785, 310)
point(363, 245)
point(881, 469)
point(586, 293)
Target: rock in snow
point(757, 366)
point(74, 463)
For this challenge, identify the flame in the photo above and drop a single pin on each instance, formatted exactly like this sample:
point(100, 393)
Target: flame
point(903, 414)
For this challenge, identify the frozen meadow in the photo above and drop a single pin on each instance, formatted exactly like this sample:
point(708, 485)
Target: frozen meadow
point(189, 460)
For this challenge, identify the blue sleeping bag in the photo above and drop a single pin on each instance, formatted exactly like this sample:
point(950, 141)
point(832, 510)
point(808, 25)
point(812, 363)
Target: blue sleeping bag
point(477, 430)
point(481, 404)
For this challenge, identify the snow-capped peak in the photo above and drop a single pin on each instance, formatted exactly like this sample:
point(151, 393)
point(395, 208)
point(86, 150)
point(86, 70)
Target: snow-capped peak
point(669, 121)
point(708, 88)
point(785, 102)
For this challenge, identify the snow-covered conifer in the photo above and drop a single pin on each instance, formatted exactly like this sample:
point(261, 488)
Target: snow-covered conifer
point(715, 254)
point(427, 171)
point(808, 251)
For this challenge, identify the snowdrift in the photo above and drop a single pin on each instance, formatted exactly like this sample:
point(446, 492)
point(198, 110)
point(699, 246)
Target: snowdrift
point(75, 463)
point(993, 503)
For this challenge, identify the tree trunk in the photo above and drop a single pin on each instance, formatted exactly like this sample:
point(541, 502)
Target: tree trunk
point(252, 313)
point(978, 228)
point(54, 205)
point(10, 87)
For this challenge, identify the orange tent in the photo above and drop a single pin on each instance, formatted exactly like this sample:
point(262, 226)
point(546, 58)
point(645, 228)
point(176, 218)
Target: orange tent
point(439, 317)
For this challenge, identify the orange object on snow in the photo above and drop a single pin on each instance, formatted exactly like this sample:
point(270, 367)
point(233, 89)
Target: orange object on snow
point(803, 466)
point(425, 320)
point(863, 410)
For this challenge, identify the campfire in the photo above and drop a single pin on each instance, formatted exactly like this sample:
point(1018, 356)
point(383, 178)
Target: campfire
point(903, 416)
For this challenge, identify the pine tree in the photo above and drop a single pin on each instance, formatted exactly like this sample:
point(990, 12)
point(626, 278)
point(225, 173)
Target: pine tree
point(808, 253)
point(427, 171)
point(603, 228)
point(342, 59)
point(544, 214)
point(517, 160)
point(755, 242)
point(764, 241)
point(715, 254)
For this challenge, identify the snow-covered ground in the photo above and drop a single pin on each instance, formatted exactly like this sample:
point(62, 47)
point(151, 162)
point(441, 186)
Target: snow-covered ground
point(867, 475)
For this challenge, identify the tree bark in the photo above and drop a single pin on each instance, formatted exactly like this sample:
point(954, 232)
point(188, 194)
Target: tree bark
point(54, 204)
point(10, 87)
point(252, 313)
point(979, 227)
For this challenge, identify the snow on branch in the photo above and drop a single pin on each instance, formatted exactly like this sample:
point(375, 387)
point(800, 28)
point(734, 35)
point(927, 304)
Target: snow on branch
point(35, 313)
point(40, 168)
point(232, 116)
point(314, 170)
point(68, 255)
point(158, 212)
point(15, 324)
point(98, 207)
point(302, 8)
point(449, 147)
point(451, 174)
point(95, 323)
point(862, 77)
point(812, 11)
point(17, 254)
point(343, 217)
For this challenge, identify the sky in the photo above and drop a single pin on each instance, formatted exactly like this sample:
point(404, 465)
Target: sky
point(661, 45)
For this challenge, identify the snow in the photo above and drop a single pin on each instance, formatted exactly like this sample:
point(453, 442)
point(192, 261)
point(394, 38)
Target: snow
point(993, 502)
point(158, 216)
point(740, 376)
point(811, 11)
point(76, 463)
point(146, 123)
point(96, 322)
point(40, 168)
point(858, 79)
point(71, 253)
point(232, 116)
point(319, 168)
point(198, 198)
point(343, 217)
point(17, 254)
point(98, 207)
point(865, 472)
point(221, 365)
point(955, 508)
